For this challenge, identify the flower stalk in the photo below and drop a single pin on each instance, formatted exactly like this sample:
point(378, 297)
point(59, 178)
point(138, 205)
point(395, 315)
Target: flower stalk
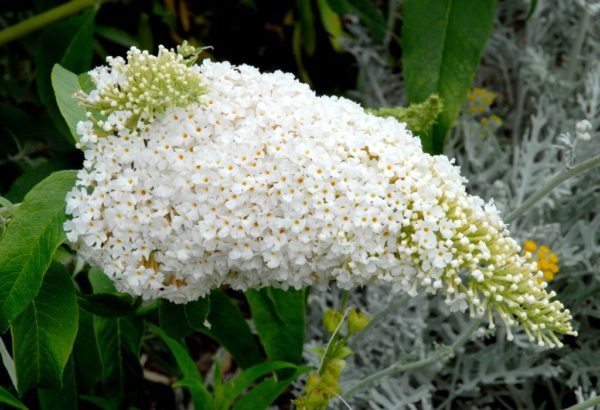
point(45, 19)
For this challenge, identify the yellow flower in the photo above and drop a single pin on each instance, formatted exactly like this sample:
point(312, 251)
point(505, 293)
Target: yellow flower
point(546, 260)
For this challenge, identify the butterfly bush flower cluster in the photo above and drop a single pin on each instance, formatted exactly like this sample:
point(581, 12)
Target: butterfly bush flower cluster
point(252, 180)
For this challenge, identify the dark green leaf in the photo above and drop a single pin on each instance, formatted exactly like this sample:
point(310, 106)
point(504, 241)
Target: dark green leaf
point(267, 391)
point(144, 32)
point(65, 85)
point(229, 328)
point(68, 43)
point(442, 41)
point(119, 348)
point(172, 319)
point(279, 317)
point(86, 353)
point(118, 341)
point(107, 304)
point(44, 333)
point(236, 387)
point(332, 23)
point(64, 398)
point(307, 27)
point(339, 6)
point(181, 320)
point(196, 313)
point(192, 379)
point(7, 398)
point(372, 17)
point(117, 36)
point(532, 8)
point(32, 177)
point(29, 242)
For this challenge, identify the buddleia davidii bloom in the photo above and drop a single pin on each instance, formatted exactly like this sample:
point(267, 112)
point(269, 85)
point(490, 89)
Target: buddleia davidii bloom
point(259, 182)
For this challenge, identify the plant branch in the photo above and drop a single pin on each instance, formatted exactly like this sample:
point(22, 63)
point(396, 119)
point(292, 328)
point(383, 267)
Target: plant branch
point(586, 404)
point(399, 367)
point(550, 185)
point(44, 19)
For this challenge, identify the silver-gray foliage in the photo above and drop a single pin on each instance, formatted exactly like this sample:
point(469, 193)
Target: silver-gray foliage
point(546, 74)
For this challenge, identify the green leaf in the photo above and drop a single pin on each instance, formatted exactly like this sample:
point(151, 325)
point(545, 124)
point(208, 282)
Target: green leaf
point(196, 313)
point(117, 36)
point(29, 242)
point(532, 8)
point(267, 391)
point(229, 328)
point(332, 23)
point(65, 85)
point(307, 27)
point(64, 398)
point(236, 387)
point(192, 379)
point(371, 16)
point(339, 6)
point(107, 304)
point(118, 341)
point(44, 333)
point(442, 42)
point(32, 177)
point(7, 398)
point(86, 83)
point(279, 317)
point(181, 320)
point(86, 353)
point(171, 317)
point(68, 43)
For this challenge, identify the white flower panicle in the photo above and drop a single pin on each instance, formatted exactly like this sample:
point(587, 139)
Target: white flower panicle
point(262, 183)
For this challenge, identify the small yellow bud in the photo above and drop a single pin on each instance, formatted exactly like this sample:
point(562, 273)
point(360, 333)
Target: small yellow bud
point(332, 319)
point(357, 321)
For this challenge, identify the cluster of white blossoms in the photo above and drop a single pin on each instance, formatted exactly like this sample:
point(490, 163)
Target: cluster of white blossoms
point(262, 183)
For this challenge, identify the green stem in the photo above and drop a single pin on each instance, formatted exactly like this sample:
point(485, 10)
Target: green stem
point(586, 404)
point(332, 342)
point(44, 19)
point(399, 367)
point(550, 185)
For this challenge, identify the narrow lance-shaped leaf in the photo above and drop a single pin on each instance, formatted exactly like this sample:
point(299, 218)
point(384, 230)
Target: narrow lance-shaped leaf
point(44, 333)
point(29, 242)
point(7, 398)
point(234, 388)
point(192, 379)
point(261, 396)
point(442, 42)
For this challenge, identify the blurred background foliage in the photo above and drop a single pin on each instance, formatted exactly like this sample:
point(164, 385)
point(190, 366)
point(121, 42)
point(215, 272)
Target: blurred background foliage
point(302, 37)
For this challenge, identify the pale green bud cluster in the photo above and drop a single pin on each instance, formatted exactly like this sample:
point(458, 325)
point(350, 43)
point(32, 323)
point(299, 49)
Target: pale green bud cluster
point(418, 117)
point(143, 85)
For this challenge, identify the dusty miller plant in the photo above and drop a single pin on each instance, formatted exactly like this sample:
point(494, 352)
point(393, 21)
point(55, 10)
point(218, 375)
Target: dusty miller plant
point(546, 79)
